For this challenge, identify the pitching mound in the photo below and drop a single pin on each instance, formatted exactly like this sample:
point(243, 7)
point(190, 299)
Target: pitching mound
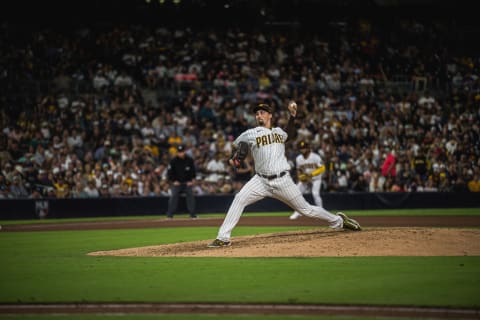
point(324, 242)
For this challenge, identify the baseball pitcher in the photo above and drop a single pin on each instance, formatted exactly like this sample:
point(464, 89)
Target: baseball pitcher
point(272, 178)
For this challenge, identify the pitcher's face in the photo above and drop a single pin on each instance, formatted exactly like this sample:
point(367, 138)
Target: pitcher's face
point(263, 118)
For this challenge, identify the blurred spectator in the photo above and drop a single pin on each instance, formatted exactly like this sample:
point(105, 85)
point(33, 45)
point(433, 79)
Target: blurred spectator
point(389, 165)
point(359, 183)
point(216, 168)
point(376, 182)
point(78, 191)
point(421, 165)
point(61, 187)
point(91, 190)
point(459, 185)
point(474, 183)
point(17, 189)
point(4, 190)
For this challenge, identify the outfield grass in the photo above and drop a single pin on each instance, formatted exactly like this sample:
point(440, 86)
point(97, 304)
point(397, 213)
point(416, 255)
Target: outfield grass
point(53, 267)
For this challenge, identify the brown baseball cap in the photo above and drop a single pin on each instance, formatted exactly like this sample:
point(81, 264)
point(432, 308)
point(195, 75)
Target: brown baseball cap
point(263, 106)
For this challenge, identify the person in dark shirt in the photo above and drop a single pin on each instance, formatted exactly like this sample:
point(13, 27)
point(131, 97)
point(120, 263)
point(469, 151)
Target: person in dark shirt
point(420, 165)
point(181, 174)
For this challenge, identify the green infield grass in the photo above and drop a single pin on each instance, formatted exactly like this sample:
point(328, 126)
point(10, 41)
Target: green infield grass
point(359, 213)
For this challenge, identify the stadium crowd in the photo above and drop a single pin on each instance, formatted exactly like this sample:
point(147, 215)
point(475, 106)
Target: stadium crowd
point(99, 111)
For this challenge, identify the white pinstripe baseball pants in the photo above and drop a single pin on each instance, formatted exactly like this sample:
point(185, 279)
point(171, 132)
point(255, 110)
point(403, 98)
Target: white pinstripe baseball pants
point(316, 186)
point(283, 189)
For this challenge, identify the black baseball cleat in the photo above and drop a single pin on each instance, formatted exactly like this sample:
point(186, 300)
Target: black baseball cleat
point(349, 223)
point(217, 243)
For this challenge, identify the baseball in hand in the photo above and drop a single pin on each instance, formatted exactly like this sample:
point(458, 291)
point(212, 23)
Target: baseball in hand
point(292, 107)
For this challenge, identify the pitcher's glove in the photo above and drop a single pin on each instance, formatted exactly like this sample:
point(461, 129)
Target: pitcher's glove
point(303, 177)
point(239, 154)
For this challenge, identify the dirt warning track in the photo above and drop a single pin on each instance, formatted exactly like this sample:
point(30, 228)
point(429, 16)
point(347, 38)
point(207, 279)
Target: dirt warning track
point(245, 309)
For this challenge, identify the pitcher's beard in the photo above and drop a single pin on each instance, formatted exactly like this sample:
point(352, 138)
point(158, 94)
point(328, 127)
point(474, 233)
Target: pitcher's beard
point(260, 122)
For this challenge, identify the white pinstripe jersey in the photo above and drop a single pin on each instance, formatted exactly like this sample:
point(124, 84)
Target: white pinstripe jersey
point(268, 149)
point(309, 164)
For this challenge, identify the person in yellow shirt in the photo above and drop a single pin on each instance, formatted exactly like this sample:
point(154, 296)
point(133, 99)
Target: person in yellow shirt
point(62, 189)
point(474, 183)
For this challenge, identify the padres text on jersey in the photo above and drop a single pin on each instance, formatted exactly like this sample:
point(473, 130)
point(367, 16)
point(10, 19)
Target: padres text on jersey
point(269, 139)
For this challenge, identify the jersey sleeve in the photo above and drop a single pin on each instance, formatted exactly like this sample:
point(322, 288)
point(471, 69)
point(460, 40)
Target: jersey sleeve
point(244, 137)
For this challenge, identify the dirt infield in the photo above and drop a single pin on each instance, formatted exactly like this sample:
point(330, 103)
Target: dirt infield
point(324, 242)
point(112, 309)
point(246, 220)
